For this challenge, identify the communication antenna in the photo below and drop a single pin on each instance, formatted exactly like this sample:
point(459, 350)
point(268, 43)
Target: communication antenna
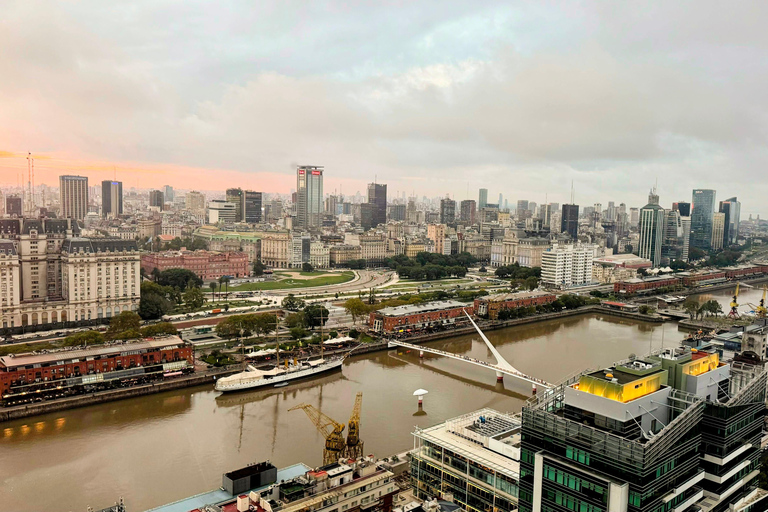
point(30, 175)
point(572, 193)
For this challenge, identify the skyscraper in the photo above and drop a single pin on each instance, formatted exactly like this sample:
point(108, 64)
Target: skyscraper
point(732, 208)
point(672, 245)
point(73, 196)
point(702, 211)
point(447, 211)
point(468, 209)
point(377, 196)
point(111, 198)
point(569, 222)
point(235, 196)
point(483, 199)
point(169, 194)
point(252, 207)
point(13, 206)
point(719, 230)
point(682, 207)
point(309, 196)
point(651, 230)
point(156, 199)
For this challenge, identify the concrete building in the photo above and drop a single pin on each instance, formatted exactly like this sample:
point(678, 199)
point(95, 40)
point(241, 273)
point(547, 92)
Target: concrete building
point(468, 209)
point(319, 255)
point(566, 266)
point(718, 230)
point(474, 459)
point(111, 199)
point(340, 255)
point(732, 207)
point(436, 233)
point(300, 249)
point(233, 241)
point(672, 246)
point(275, 249)
point(73, 197)
point(702, 212)
point(235, 196)
point(377, 196)
point(309, 196)
point(195, 202)
point(222, 212)
point(447, 211)
point(157, 199)
point(149, 227)
point(169, 194)
point(13, 206)
point(373, 249)
point(396, 212)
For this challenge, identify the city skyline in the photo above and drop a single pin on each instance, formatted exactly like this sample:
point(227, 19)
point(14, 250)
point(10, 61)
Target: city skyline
point(415, 115)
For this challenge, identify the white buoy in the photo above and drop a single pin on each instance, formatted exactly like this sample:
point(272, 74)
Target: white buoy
point(420, 393)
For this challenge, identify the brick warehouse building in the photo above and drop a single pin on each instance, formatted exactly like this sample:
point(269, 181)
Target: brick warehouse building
point(490, 305)
point(207, 265)
point(411, 317)
point(27, 377)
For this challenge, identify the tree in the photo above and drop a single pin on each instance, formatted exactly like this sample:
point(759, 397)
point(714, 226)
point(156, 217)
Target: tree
point(264, 323)
point(149, 331)
point(691, 306)
point(84, 338)
point(355, 308)
point(180, 278)
point(125, 321)
point(292, 303)
point(194, 298)
point(212, 286)
point(532, 282)
point(258, 268)
point(645, 309)
point(298, 332)
point(294, 320)
point(307, 267)
point(225, 281)
point(155, 300)
point(315, 315)
point(155, 274)
point(694, 253)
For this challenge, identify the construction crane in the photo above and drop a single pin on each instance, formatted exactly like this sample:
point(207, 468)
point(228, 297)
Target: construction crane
point(354, 443)
point(331, 431)
point(735, 303)
point(761, 310)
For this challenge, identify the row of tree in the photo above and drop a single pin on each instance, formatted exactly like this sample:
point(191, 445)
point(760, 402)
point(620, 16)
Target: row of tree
point(247, 325)
point(125, 326)
point(515, 271)
point(696, 309)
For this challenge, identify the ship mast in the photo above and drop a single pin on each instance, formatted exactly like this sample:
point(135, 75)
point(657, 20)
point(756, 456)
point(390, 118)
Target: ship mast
point(277, 339)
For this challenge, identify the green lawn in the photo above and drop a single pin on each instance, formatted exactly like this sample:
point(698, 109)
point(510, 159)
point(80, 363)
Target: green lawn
point(339, 278)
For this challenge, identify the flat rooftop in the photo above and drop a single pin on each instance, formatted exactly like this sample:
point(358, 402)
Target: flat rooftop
point(12, 361)
point(198, 501)
point(413, 309)
point(500, 297)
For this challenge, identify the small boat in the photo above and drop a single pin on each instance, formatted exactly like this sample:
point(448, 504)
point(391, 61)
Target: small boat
point(281, 384)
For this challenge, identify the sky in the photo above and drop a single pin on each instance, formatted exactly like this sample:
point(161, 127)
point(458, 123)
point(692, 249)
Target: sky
point(430, 97)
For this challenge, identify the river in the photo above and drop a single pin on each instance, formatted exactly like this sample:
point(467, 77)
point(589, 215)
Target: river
point(160, 448)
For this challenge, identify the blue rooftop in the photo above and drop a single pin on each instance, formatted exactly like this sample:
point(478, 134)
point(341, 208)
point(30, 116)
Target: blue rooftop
point(219, 495)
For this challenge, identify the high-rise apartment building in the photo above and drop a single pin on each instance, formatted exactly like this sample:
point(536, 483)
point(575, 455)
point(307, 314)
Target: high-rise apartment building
point(719, 230)
point(309, 196)
point(252, 207)
point(569, 222)
point(73, 197)
point(156, 199)
point(111, 199)
point(482, 200)
point(377, 196)
point(651, 230)
point(468, 209)
point(13, 206)
point(447, 211)
point(702, 211)
point(235, 196)
point(564, 266)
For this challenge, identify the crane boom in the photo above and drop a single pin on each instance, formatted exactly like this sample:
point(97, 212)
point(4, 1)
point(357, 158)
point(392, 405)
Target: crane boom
point(331, 430)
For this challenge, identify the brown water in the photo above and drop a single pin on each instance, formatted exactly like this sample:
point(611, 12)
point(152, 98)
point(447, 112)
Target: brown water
point(157, 449)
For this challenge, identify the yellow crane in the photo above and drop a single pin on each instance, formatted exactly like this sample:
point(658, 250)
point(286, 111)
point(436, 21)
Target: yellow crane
point(735, 303)
point(330, 429)
point(354, 443)
point(761, 310)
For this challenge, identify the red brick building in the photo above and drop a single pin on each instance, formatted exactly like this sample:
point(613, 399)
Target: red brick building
point(704, 277)
point(642, 285)
point(490, 305)
point(67, 372)
point(411, 317)
point(207, 265)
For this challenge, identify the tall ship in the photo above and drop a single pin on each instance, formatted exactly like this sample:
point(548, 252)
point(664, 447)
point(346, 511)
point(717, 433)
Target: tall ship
point(254, 378)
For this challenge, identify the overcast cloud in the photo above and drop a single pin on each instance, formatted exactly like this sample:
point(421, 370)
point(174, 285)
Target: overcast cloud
point(431, 97)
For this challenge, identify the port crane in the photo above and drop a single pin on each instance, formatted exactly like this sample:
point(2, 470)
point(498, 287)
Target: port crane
point(354, 443)
point(332, 431)
point(761, 310)
point(734, 313)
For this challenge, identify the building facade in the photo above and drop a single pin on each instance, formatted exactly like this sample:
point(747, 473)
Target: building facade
point(157, 199)
point(111, 199)
point(235, 196)
point(309, 196)
point(565, 266)
point(419, 317)
point(447, 211)
point(569, 221)
point(468, 209)
point(490, 305)
point(702, 212)
point(208, 266)
point(252, 207)
point(377, 196)
point(73, 197)
point(719, 230)
point(651, 232)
